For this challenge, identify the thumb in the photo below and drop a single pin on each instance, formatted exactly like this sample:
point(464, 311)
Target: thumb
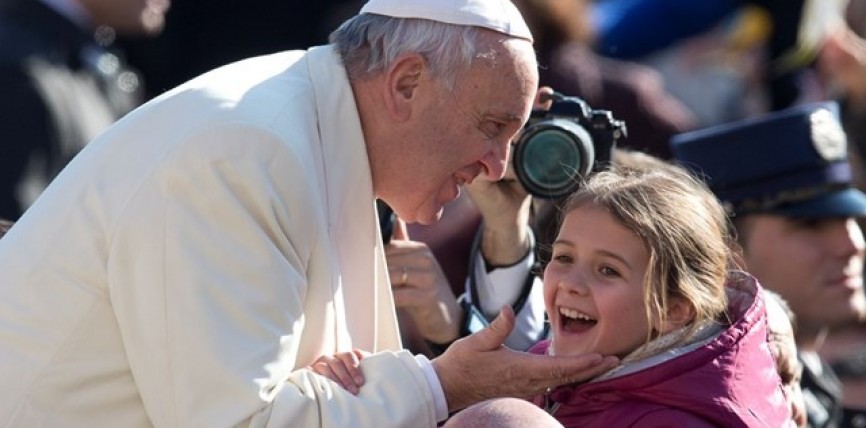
point(543, 98)
point(401, 232)
point(495, 334)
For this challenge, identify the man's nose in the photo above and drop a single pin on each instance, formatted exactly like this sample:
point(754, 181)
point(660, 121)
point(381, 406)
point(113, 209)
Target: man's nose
point(849, 238)
point(496, 161)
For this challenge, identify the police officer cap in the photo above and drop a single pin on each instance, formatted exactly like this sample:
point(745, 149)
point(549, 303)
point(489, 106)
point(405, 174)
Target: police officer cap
point(792, 162)
point(498, 15)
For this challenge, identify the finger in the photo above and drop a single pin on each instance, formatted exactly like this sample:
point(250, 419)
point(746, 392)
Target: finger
point(353, 366)
point(401, 232)
point(341, 371)
point(407, 250)
point(569, 370)
point(541, 372)
point(324, 369)
point(401, 275)
point(408, 297)
point(321, 368)
point(543, 98)
point(416, 296)
point(495, 334)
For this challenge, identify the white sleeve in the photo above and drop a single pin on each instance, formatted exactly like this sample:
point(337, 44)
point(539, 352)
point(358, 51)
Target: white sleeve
point(530, 322)
point(387, 398)
point(435, 387)
point(501, 286)
point(504, 286)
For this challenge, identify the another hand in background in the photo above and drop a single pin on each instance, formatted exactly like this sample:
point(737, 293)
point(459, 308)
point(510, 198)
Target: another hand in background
point(842, 61)
point(421, 289)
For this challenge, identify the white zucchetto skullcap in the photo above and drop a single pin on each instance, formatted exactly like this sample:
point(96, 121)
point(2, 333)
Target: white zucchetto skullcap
point(497, 15)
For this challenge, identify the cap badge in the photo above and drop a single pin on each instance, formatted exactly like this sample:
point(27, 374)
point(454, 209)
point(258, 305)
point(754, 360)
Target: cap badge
point(827, 135)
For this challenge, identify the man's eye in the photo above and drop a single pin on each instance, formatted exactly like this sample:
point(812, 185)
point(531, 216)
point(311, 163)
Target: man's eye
point(493, 129)
point(809, 223)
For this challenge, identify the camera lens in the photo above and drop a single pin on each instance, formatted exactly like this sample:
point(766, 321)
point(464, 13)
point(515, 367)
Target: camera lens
point(547, 158)
point(552, 156)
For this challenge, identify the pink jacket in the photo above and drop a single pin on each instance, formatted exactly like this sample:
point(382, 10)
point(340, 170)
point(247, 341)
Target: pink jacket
point(730, 380)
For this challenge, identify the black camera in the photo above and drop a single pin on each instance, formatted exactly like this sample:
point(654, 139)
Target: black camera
point(560, 146)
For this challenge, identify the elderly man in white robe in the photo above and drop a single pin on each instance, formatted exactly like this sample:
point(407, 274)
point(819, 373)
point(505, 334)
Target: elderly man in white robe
point(188, 265)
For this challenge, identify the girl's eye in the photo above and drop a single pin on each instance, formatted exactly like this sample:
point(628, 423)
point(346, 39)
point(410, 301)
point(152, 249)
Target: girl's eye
point(562, 258)
point(609, 271)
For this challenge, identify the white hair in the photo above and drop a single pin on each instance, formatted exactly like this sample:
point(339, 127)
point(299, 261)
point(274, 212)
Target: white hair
point(369, 44)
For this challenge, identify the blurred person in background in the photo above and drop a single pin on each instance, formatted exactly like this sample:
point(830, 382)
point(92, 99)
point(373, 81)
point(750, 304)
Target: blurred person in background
point(199, 36)
point(635, 92)
point(635, 29)
point(783, 346)
point(787, 181)
point(842, 63)
point(63, 82)
point(844, 349)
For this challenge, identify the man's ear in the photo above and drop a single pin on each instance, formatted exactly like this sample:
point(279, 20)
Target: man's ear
point(401, 84)
point(680, 313)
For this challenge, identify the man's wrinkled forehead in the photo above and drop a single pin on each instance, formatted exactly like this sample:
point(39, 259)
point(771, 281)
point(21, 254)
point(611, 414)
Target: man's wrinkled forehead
point(497, 15)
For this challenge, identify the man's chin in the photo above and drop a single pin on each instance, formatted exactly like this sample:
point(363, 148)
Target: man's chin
point(426, 217)
point(425, 214)
point(429, 218)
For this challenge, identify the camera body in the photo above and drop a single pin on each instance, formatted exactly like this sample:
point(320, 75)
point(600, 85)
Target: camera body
point(561, 146)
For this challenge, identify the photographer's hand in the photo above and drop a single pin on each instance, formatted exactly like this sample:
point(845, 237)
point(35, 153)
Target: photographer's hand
point(505, 207)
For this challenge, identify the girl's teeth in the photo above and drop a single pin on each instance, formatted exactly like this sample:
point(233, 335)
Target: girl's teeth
point(570, 313)
point(574, 314)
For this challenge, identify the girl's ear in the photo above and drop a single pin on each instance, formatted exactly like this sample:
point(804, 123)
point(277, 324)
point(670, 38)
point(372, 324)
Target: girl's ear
point(680, 313)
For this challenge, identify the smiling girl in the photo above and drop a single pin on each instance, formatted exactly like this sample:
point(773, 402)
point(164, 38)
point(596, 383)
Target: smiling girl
point(641, 269)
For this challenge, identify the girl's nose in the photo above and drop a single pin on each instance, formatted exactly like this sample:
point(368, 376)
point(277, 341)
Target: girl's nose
point(575, 282)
